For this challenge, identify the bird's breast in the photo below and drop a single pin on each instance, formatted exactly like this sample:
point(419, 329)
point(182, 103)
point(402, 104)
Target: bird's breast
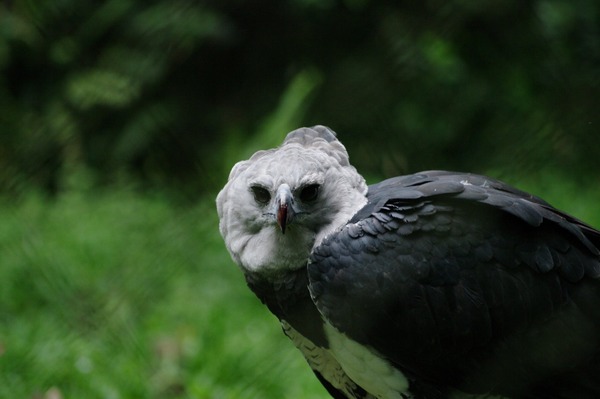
point(366, 367)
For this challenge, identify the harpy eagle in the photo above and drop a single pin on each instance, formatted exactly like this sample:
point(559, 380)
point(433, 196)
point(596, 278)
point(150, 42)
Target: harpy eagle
point(429, 285)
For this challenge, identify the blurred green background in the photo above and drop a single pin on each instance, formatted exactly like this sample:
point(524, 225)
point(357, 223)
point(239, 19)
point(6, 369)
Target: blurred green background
point(120, 120)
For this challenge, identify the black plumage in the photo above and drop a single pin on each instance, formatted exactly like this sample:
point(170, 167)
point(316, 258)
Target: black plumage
point(474, 285)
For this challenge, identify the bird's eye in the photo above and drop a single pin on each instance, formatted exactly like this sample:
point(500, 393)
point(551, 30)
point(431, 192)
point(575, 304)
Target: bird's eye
point(261, 194)
point(309, 193)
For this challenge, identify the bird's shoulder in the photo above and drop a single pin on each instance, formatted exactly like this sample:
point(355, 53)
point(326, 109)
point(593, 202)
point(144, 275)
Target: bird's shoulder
point(483, 218)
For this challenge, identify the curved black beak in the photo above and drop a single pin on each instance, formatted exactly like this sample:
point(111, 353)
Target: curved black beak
point(285, 212)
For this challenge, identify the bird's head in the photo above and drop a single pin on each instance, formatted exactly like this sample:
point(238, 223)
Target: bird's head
point(282, 201)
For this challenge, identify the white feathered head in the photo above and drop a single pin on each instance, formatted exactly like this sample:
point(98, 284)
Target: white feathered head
point(280, 202)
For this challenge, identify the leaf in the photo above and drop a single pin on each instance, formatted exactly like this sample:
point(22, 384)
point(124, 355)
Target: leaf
point(101, 87)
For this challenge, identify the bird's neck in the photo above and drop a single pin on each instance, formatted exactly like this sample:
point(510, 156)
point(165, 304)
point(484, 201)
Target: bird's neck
point(351, 203)
point(287, 297)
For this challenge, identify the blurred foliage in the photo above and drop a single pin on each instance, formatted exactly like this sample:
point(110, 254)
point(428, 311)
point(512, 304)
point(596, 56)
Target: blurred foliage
point(116, 295)
point(169, 94)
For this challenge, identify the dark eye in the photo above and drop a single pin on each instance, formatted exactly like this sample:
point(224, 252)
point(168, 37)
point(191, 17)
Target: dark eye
point(309, 193)
point(261, 194)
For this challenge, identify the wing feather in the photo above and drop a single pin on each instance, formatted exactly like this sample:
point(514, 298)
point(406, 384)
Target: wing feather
point(445, 263)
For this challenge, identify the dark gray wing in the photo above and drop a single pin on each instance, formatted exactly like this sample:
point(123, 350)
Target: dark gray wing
point(464, 282)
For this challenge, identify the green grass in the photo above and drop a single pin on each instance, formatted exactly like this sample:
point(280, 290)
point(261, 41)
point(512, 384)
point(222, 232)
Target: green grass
point(115, 295)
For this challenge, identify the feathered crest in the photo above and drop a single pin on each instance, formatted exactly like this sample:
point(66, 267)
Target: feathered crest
point(322, 138)
point(318, 137)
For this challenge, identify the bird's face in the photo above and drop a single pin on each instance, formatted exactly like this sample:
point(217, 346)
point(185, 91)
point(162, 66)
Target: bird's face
point(274, 211)
point(289, 196)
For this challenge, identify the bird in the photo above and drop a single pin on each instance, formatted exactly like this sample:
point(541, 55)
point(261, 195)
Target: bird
point(436, 284)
